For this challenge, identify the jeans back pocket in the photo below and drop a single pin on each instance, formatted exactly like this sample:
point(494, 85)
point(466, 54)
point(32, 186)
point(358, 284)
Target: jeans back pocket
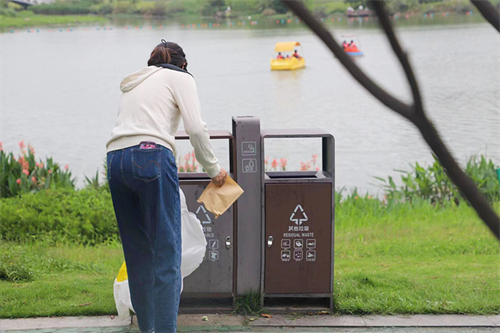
point(146, 164)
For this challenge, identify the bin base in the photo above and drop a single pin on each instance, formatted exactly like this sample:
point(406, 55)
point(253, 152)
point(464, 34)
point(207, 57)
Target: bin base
point(214, 304)
point(294, 304)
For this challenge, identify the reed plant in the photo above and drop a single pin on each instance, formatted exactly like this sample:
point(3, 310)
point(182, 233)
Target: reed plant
point(432, 184)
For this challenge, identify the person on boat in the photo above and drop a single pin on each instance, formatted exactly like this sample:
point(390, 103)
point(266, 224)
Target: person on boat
point(351, 48)
point(279, 56)
point(345, 45)
point(296, 55)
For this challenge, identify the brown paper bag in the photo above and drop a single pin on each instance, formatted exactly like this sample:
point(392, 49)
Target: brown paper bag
point(218, 199)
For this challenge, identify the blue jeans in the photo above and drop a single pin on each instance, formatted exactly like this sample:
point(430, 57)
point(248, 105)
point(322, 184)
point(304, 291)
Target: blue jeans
point(145, 191)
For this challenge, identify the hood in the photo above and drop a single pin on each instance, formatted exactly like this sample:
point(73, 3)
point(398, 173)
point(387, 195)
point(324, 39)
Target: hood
point(133, 80)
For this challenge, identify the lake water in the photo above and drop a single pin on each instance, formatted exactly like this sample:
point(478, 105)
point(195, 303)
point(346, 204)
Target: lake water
point(60, 90)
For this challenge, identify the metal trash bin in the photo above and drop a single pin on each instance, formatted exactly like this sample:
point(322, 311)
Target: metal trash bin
point(246, 131)
point(298, 231)
point(211, 288)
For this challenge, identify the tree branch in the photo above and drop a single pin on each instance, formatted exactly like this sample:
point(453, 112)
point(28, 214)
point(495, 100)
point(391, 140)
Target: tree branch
point(415, 113)
point(488, 11)
point(388, 100)
point(385, 23)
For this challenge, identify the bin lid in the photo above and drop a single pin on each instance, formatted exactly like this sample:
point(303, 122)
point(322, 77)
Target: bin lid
point(217, 134)
point(295, 133)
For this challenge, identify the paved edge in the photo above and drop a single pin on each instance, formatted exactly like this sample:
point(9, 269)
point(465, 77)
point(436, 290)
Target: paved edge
point(62, 322)
point(220, 320)
point(379, 321)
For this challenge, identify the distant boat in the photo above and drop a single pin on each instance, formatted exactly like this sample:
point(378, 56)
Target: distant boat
point(359, 13)
point(353, 50)
point(284, 59)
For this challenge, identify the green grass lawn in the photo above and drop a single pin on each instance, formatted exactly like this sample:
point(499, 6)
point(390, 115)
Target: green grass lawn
point(397, 259)
point(25, 19)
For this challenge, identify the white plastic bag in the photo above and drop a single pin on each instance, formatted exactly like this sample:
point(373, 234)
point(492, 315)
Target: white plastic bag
point(194, 243)
point(194, 246)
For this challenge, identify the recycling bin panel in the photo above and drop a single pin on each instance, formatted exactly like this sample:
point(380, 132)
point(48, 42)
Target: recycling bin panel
point(211, 286)
point(215, 274)
point(298, 229)
point(298, 233)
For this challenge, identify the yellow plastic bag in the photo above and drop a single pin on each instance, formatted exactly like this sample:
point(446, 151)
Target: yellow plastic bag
point(122, 294)
point(218, 199)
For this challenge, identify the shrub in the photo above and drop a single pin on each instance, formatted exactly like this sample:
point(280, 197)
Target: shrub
point(176, 7)
point(432, 183)
point(24, 174)
point(335, 7)
point(159, 9)
point(105, 9)
point(123, 7)
point(213, 6)
point(7, 12)
point(59, 216)
point(268, 12)
point(62, 8)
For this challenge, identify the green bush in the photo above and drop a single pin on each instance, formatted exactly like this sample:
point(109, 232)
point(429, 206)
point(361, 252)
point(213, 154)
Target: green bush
point(123, 7)
point(159, 9)
point(105, 9)
point(63, 8)
point(59, 216)
point(213, 6)
point(25, 174)
point(432, 183)
point(8, 12)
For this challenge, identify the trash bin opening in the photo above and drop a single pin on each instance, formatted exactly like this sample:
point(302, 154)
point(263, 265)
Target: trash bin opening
point(193, 176)
point(293, 174)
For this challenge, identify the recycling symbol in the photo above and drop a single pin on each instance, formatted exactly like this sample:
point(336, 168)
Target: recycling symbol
point(205, 218)
point(298, 211)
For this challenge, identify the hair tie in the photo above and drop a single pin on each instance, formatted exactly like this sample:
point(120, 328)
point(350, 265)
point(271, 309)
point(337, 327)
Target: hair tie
point(164, 42)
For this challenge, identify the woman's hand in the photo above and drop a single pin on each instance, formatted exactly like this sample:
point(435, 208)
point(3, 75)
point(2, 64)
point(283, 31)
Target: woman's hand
point(220, 179)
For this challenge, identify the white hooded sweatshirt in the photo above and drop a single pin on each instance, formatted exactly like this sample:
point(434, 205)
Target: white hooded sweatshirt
point(153, 102)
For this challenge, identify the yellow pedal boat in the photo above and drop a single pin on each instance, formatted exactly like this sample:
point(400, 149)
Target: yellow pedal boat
point(287, 57)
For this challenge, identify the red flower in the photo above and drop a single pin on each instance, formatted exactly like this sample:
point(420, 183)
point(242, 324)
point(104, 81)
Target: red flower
point(33, 179)
point(31, 149)
point(18, 181)
point(66, 167)
point(21, 144)
point(26, 172)
point(283, 163)
point(274, 165)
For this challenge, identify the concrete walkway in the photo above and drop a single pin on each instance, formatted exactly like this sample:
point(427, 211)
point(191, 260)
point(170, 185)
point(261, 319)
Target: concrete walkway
point(290, 323)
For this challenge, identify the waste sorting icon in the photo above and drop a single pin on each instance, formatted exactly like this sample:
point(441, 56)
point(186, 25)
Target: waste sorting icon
point(299, 216)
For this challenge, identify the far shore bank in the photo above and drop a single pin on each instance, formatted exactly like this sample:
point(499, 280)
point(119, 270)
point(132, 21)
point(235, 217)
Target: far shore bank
point(29, 20)
point(65, 14)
